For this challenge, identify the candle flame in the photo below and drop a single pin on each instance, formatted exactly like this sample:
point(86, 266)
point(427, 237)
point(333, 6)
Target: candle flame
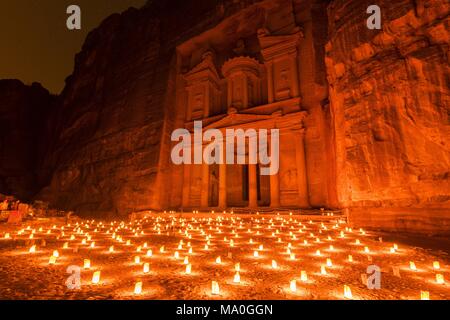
point(347, 292)
point(293, 285)
point(138, 288)
point(96, 277)
point(215, 290)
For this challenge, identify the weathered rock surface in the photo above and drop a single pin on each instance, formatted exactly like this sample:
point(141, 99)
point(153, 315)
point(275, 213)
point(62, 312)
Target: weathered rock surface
point(25, 129)
point(389, 92)
point(117, 114)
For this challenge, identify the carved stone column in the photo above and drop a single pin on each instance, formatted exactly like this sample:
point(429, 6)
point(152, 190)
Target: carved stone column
point(252, 186)
point(302, 180)
point(223, 186)
point(269, 68)
point(275, 190)
point(204, 197)
point(186, 185)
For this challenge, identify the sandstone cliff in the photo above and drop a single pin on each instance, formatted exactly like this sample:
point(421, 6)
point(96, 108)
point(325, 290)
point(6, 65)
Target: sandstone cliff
point(25, 129)
point(389, 91)
point(377, 101)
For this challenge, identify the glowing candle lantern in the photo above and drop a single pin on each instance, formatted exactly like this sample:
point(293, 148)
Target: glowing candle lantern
point(412, 266)
point(111, 249)
point(215, 290)
point(137, 259)
point(52, 260)
point(7, 236)
point(305, 242)
point(218, 260)
point(237, 267)
point(395, 246)
point(274, 264)
point(303, 276)
point(424, 295)
point(440, 278)
point(350, 258)
point(331, 248)
point(128, 242)
point(392, 250)
point(318, 253)
point(329, 263)
point(261, 247)
point(56, 253)
point(237, 278)
point(65, 245)
point(87, 263)
point(190, 250)
point(96, 277)
point(255, 254)
point(176, 255)
point(292, 256)
point(83, 241)
point(357, 241)
point(323, 270)
point(138, 288)
point(93, 245)
point(206, 247)
point(436, 265)
point(138, 249)
point(366, 250)
point(149, 253)
point(293, 285)
point(146, 267)
point(161, 249)
point(188, 269)
point(186, 260)
point(347, 292)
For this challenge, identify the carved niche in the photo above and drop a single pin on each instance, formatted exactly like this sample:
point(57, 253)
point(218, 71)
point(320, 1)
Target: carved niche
point(280, 55)
point(203, 89)
point(243, 76)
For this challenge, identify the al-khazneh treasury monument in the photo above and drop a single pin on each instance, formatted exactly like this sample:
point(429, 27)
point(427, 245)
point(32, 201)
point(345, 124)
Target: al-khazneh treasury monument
point(362, 114)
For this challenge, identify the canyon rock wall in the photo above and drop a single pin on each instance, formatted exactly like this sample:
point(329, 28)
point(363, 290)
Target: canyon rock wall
point(25, 125)
point(113, 127)
point(389, 92)
point(377, 138)
point(112, 146)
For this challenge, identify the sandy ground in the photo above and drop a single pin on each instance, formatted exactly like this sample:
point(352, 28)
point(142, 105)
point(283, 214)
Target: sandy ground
point(26, 275)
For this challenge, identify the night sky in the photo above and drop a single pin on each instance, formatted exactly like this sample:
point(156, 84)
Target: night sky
point(36, 45)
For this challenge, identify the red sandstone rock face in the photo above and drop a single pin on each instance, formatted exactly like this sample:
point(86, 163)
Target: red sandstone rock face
point(377, 130)
point(25, 132)
point(389, 92)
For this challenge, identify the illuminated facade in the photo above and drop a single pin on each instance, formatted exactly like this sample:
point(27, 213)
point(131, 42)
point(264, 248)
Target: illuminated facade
point(249, 90)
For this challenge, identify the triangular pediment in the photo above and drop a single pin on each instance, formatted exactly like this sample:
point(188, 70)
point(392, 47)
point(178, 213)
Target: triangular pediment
point(207, 64)
point(237, 119)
